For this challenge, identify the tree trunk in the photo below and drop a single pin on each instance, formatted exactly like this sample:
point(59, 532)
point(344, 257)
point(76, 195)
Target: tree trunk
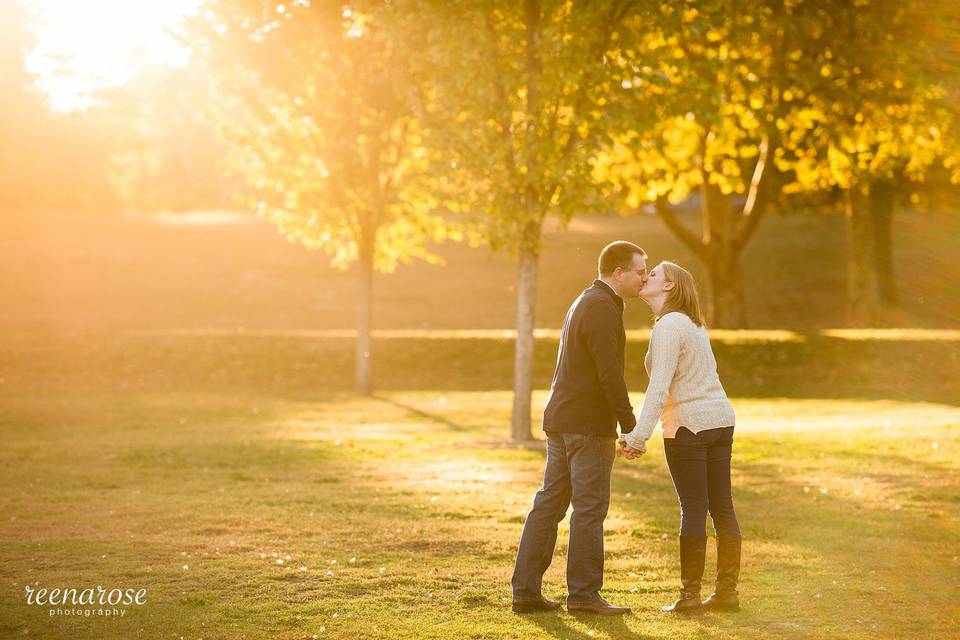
point(882, 202)
point(725, 233)
point(726, 309)
point(364, 368)
point(861, 292)
point(528, 254)
point(523, 356)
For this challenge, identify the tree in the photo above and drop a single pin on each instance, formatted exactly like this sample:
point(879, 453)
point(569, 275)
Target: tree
point(880, 116)
point(518, 104)
point(725, 79)
point(315, 103)
point(755, 99)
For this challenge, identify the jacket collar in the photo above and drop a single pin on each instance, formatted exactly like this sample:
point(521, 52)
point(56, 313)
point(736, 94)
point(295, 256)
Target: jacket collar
point(603, 286)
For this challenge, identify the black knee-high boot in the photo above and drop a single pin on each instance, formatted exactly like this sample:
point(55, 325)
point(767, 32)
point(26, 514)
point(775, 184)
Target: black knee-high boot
point(693, 551)
point(728, 573)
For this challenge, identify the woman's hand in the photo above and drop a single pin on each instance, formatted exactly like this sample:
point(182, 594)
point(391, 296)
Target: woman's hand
point(630, 453)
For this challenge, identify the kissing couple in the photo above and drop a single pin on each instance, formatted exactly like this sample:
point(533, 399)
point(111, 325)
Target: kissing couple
point(588, 397)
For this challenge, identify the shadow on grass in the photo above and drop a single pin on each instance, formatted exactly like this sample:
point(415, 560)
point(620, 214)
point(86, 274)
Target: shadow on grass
point(556, 626)
point(799, 544)
point(859, 458)
point(420, 413)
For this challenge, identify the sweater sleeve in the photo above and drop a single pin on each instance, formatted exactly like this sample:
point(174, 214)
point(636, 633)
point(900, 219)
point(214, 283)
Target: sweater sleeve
point(665, 343)
point(608, 360)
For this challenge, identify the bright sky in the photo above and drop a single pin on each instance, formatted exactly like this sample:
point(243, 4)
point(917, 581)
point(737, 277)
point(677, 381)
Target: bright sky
point(83, 46)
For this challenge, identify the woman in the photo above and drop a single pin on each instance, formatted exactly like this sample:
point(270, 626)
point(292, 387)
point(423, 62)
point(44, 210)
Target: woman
point(698, 421)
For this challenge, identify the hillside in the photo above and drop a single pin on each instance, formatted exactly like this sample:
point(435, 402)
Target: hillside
point(227, 271)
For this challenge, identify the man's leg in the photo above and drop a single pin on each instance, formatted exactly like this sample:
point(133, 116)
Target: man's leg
point(539, 537)
point(591, 463)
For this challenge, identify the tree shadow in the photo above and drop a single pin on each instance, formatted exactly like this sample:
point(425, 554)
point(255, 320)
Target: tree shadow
point(825, 543)
point(420, 413)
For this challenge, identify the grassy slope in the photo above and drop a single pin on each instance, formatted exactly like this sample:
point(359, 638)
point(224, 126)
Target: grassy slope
point(61, 273)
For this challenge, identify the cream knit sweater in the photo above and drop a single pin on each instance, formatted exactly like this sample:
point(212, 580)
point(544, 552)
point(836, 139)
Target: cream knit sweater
point(684, 385)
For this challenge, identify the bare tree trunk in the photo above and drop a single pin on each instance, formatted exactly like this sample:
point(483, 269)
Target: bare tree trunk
point(528, 254)
point(861, 292)
point(364, 367)
point(523, 356)
point(882, 203)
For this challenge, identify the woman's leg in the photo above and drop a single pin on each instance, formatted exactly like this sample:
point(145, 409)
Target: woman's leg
point(719, 449)
point(687, 460)
point(719, 453)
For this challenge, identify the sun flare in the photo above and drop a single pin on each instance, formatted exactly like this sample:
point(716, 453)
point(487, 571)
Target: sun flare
point(85, 46)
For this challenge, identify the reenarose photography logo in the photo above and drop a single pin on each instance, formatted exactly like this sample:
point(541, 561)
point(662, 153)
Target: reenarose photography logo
point(86, 602)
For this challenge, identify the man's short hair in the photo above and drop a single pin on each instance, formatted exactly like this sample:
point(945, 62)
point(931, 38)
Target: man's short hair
point(617, 254)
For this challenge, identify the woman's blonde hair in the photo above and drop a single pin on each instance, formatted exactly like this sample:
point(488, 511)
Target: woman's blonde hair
point(683, 297)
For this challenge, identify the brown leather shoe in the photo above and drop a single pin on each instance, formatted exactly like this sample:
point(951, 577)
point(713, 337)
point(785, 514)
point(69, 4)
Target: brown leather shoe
point(599, 606)
point(722, 602)
point(530, 606)
point(686, 603)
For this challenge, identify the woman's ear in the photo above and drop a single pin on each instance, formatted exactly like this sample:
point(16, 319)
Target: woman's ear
point(667, 286)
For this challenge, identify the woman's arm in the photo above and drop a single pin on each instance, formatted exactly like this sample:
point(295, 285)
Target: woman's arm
point(665, 342)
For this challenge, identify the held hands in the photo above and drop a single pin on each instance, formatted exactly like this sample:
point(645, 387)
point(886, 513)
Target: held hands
point(629, 452)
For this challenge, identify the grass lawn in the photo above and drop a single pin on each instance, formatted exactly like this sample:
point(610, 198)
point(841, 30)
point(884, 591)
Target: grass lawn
point(176, 415)
point(240, 483)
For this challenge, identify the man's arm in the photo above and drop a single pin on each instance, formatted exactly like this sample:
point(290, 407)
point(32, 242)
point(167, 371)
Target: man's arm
point(602, 333)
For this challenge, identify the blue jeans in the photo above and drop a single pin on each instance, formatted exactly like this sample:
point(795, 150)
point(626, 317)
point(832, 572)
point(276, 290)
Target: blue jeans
point(700, 466)
point(577, 471)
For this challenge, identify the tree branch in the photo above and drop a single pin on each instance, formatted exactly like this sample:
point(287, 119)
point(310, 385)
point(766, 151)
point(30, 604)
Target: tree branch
point(617, 15)
point(758, 196)
point(665, 211)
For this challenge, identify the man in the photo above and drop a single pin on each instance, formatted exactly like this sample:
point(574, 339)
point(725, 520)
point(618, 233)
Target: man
point(588, 397)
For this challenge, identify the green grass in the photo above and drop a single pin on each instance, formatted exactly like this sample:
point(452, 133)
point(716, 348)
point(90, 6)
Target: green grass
point(149, 443)
point(190, 465)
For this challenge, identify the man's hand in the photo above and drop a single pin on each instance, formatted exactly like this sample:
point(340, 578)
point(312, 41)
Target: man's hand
point(629, 452)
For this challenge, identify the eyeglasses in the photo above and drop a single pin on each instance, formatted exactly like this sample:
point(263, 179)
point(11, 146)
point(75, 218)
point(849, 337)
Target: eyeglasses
point(639, 272)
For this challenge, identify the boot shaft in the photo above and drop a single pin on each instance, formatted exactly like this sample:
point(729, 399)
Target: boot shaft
point(693, 552)
point(728, 564)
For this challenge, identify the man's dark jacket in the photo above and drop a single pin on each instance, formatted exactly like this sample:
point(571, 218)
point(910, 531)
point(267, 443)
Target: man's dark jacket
point(588, 394)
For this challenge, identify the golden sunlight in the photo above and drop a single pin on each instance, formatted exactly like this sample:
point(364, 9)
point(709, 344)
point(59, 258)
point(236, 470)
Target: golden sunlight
point(83, 47)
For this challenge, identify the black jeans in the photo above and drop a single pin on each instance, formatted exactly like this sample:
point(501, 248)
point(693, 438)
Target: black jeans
point(700, 466)
point(578, 470)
